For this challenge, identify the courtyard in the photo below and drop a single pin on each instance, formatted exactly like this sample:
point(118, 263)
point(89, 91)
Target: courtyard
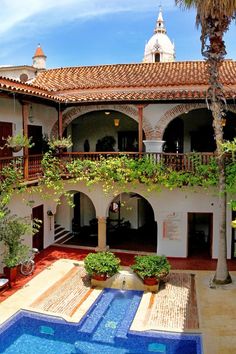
point(184, 304)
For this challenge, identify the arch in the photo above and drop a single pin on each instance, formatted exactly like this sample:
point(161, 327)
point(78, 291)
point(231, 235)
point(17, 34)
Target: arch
point(177, 111)
point(131, 223)
point(75, 225)
point(76, 112)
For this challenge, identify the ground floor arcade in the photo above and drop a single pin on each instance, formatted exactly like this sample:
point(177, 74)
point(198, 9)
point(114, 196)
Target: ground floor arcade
point(178, 223)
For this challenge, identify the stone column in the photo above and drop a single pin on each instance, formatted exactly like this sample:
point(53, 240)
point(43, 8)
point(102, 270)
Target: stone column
point(153, 145)
point(102, 228)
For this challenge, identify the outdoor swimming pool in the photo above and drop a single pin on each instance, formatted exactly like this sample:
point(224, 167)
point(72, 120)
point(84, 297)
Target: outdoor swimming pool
point(104, 329)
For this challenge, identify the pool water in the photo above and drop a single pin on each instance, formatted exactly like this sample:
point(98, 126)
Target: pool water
point(104, 329)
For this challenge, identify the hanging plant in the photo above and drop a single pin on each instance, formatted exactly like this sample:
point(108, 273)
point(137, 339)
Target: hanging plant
point(57, 144)
point(18, 141)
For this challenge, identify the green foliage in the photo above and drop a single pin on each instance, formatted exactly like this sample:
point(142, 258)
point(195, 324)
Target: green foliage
point(151, 266)
point(107, 143)
point(229, 147)
point(101, 263)
point(10, 182)
point(116, 172)
point(60, 144)
point(12, 230)
point(19, 140)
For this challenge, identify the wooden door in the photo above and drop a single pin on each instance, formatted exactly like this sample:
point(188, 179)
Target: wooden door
point(5, 131)
point(38, 238)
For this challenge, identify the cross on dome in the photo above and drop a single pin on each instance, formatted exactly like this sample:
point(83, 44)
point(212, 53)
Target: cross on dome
point(159, 48)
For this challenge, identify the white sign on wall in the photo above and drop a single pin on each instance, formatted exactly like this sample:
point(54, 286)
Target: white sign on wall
point(172, 226)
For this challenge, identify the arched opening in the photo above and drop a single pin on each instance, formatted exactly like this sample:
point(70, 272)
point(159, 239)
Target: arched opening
point(157, 57)
point(193, 132)
point(131, 224)
point(76, 225)
point(104, 131)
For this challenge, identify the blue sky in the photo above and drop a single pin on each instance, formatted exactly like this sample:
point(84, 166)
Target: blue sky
point(93, 32)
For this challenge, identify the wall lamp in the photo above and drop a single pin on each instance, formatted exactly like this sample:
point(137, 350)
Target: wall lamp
point(50, 215)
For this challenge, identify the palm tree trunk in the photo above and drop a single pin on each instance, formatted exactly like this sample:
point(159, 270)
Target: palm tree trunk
point(214, 51)
point(221, 275)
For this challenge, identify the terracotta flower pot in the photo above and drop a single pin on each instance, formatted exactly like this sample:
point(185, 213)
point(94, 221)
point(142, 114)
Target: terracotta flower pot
point(11, 273)
point(100, 277)
point(150, 281)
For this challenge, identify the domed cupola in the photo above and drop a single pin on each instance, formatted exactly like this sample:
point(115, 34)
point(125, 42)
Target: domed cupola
point(159, 47)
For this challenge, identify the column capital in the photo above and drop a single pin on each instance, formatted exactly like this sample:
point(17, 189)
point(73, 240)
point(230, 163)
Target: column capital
point(153, 145)
point(102, 219)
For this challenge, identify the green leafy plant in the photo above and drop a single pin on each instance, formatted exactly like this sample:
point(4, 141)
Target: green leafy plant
point(12, 230)
point(60, 144)
point(151, 266)
point(107, 143)
point(104, 263)
point(18, 141)
point(10, 182)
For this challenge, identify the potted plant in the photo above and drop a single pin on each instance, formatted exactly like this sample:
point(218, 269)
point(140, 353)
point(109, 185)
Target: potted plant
point(107, 143)
point(12, 230)
point(60, 144)
point(151, 269)
point(18, 141)
point(101, 265)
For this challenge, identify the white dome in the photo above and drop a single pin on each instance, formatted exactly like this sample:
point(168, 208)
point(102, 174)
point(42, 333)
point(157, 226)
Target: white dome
point(159, 46)
point(159, 42)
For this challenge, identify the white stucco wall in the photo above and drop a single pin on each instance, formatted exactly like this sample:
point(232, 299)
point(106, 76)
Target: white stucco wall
point(165, 204)
point(11, 112)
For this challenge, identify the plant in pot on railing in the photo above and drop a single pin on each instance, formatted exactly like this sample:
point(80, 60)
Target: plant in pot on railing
point(12, 230)
point(151, 269)
point(59, 145)
point(18, 141)
point(101, 265)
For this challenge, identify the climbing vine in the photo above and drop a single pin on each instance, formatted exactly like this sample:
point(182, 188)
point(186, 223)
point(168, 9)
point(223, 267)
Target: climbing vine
point(10, 182)
point(116, 173)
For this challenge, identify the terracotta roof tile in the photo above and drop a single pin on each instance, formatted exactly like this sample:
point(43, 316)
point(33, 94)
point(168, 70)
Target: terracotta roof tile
point(125, 75)
point(12, 85)
point(126, 82)
point(39, 52)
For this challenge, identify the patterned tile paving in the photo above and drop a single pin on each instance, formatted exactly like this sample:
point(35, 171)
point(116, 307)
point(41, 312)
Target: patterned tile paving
point(66, 295)
point(174, 307)
point(53, 253)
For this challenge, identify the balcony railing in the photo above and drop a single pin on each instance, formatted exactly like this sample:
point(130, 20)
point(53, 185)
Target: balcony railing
point(32, 169)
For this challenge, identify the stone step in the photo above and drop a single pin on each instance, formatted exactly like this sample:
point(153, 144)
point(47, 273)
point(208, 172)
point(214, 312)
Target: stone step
point(64, 238)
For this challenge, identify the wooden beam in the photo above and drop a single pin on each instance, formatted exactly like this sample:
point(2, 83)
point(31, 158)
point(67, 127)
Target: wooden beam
point(25, 117)
point(140, 128)
point(60, 130)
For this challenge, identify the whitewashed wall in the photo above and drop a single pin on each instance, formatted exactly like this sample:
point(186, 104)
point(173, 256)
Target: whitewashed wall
point(166, 203)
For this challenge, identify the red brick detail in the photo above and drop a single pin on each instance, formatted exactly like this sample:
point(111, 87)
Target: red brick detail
point(76, 112)
point(172, 114)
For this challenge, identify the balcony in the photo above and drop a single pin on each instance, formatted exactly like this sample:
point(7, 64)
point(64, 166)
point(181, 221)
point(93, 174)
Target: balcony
point(32, 169)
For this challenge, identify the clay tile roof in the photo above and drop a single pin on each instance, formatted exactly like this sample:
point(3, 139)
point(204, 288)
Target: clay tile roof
point(127, 82)
point(39, 52)
point(16, 86)
point(144, 75)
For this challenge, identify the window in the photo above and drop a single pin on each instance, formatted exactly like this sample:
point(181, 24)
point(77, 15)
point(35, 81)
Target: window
point(157, 57)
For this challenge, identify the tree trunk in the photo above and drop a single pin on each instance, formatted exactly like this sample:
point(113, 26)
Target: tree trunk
point(222, 275)
point(213, 48)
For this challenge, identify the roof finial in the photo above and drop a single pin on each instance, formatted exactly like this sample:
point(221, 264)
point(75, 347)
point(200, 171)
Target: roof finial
point(39, 58)
point(160, 27)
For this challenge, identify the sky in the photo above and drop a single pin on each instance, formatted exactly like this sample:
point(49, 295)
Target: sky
point(95, 32)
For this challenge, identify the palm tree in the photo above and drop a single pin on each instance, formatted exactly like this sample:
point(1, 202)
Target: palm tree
point(214, 17)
